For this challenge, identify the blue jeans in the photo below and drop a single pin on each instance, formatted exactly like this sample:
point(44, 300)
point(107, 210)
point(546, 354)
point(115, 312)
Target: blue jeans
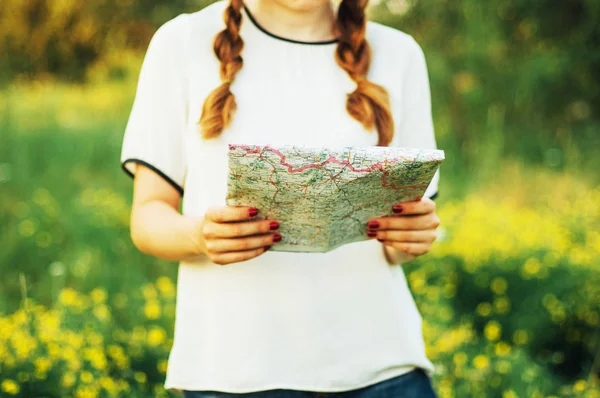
point(414, 384)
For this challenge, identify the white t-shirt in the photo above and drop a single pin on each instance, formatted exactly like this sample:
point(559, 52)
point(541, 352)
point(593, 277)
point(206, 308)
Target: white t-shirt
point(306, 321)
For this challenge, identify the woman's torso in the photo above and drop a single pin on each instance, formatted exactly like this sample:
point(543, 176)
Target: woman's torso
point(326, 322)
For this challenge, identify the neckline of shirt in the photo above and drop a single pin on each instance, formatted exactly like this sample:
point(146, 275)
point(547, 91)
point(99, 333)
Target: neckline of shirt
point(274, 36)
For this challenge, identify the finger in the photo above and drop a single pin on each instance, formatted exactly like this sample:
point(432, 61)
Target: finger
point(415, 249)
point(236, 257)
point(423, 206)
point(242, 244)
point(214, 230)
point(408, 222)
point(230, 213)
point(425, 236)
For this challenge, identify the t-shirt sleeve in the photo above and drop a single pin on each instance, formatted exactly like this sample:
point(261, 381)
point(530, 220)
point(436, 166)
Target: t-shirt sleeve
point(154, 134)
point(415, 129)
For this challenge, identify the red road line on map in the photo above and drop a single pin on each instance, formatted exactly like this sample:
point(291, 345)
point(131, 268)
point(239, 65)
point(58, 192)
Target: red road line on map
point(331, 159)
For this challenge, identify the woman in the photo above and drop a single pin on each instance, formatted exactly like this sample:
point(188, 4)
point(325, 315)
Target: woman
point(249, 320)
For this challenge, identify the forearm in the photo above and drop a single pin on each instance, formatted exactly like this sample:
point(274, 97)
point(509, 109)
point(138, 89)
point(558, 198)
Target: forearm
point(157, 229)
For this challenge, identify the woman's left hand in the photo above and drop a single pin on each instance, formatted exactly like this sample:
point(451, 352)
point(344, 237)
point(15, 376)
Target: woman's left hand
point(411, 230)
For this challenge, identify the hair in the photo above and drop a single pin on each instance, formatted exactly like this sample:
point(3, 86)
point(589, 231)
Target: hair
point(369, 103)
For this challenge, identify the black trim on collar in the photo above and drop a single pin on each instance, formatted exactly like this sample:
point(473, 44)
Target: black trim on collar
point(259, 27)
point(168, 179)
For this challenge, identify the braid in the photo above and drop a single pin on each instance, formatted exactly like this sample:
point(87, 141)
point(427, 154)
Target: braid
point(219, 106)
point(369, 103)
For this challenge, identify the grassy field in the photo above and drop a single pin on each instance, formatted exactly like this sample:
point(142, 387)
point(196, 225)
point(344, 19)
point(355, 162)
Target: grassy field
point(509, 294)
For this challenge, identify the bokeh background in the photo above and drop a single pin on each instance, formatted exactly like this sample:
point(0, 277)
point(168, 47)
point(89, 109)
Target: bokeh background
point(510, 294)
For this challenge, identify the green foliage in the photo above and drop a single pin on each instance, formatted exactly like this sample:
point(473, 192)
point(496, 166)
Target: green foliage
point(518, 76)
point(64, 38)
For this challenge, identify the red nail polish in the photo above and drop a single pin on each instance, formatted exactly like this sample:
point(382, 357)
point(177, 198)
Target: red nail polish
point(277, 238)
point(252, 212)
point(273, 225)
point(371, 234)
point(373, 224)
point(397, 209)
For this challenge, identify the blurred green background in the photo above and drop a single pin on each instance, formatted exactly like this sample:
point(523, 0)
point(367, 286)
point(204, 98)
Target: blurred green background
point(510, 293)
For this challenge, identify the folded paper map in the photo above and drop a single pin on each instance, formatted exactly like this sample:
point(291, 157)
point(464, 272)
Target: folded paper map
point(323, 197)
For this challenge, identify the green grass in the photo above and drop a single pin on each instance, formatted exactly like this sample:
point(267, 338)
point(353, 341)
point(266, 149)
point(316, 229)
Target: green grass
point(66, 200)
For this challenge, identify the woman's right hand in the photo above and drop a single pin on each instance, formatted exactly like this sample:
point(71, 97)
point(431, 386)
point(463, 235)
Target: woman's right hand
point(230, 235)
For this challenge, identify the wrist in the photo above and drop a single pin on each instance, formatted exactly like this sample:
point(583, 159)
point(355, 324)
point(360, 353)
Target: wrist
point(195, 236)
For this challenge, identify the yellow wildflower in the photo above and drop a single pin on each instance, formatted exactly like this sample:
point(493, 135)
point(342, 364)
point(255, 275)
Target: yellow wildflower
point(156, 336)
point(580, 385)
point(521, 337)
point(68, 380)
point(102, 312)
point(492, 330)
point(502, 349)
point(460, 358)
point(122, 385)
point(68, 297)
point(149, 292)
point(118, 356)
point(499, 285)
point(502, 305)
point(95, 356)
point(152, 309)
point(140, 377)
point(162, 366)
point(109, 386)
point(532, 267)
point(98, 295)
point(42, 365)
point(86, 392)
point(86, 376)
point(481, 362)
point(484, 309)
point(592, 318)
point(503, 366)
point(165, 286)
point(10, 387)
point(509, 394)
point(94, 338)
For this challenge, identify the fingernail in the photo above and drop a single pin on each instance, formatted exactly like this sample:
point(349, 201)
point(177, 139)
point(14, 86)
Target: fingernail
point(277, 238)
point(371, 234)
point(373, 224)
point(252, 212)
point(397, 209)
point(273, 225)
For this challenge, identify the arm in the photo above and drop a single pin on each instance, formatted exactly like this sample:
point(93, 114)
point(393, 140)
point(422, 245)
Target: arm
point(225, 235)
point(157, 227)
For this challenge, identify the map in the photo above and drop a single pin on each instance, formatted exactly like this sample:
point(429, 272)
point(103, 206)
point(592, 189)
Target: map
point(323, 197)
